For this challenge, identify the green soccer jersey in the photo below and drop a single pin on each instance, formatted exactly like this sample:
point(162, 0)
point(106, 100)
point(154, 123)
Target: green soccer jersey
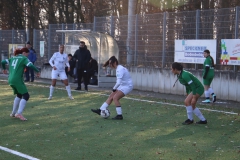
point(17, 65)
point(189, 81)
point(208, 63)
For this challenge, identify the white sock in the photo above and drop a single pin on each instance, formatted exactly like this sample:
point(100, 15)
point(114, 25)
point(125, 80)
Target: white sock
point(68, 90)
point(119, 110)
point(104, 106)
point(22, 105)
point(189, 112)
point(197, 112)
point(51, 91)
point(15, 105)
point(210, 90)
point(206, 94)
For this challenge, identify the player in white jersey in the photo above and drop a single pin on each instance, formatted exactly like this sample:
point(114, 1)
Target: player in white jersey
point(58, 62)
point(123, 86)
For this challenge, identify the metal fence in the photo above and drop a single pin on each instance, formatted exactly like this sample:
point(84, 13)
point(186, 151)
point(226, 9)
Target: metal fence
point(150, 42)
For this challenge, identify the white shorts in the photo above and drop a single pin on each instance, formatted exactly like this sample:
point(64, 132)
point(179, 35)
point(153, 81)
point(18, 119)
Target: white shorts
point(125, 89)
point(61, 74)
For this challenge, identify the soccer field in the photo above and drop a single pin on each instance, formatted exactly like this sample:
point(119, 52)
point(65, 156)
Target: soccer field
point(64, 129)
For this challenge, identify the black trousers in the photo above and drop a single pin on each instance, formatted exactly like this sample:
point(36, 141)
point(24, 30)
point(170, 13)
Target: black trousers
point(82, 74)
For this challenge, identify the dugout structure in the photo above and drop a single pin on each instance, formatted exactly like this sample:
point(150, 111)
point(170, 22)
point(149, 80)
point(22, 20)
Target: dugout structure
point(102, 47)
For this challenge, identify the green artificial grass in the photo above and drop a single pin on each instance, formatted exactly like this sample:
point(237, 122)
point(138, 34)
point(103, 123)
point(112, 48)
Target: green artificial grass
point(64, 129)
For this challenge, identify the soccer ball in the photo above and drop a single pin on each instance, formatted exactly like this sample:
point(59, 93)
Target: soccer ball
point(105, 113)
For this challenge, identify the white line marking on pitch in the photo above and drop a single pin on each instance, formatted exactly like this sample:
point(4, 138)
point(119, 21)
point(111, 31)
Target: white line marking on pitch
point(142, 100)
point(18, 153)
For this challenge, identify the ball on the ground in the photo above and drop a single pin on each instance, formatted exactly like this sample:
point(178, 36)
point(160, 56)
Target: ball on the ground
point(105, 113)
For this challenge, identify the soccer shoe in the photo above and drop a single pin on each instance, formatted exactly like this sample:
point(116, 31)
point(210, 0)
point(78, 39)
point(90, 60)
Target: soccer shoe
point(70, 97)
point(20, 117)
point(202, 122)
point(118, 117)
point(98, 111)
point(187, 122)
point(50, 97)
point(214, 98)
point(206, 101)
point(12, 115)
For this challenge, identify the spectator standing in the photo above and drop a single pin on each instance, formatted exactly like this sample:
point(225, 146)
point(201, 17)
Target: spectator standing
point(82, 56)
point(92, 71)
point(72, 64)
point(32, 58)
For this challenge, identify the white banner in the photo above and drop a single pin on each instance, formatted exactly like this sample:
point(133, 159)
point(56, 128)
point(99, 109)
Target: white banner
point(191, 51)
point(41, 48)
point(230, 52)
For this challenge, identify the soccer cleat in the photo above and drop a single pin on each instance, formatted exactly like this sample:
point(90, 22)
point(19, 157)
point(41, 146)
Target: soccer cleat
point(98, 111)
point(202, 122)
point(187, 122)
point(214, 98)
point(118, 117)
point(206, 101)
point(20, 117)
point(50, 97)
point(12, 115)
point(70, 97)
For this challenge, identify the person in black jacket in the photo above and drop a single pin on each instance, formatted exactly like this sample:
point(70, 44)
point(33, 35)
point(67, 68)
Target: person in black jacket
point(72, 64)
point(92, 71)
point(82, 56)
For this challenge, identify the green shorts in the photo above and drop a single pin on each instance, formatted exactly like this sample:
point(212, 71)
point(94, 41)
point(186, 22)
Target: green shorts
point(199, 90)
point(19, 88)
point(207, 81)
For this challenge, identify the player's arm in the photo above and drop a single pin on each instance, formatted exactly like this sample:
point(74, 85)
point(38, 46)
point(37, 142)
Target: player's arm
point(119, 79)
point(33, 67)
point(67, 64)
point(52, 60)
point(193, 87)
point(207, 67)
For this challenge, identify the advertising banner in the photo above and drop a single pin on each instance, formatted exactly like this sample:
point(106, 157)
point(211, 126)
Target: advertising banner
point(230, 52)
point(191, 51)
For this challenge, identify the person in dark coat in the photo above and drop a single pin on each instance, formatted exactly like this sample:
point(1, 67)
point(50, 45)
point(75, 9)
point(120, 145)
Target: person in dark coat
point(72, 63)
point(92, 71)
point(32, 58)
point(82, 56)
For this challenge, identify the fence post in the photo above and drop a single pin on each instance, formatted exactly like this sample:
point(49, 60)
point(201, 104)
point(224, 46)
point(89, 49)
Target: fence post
point(164, 38)
point(112, 27)
point(94, 24)
point(49, 41)
point(236, 30)
point(27, 35)
point(62, 33)
point(136, 40)
point(197, 29)
point(12, 35)
point(34, 38)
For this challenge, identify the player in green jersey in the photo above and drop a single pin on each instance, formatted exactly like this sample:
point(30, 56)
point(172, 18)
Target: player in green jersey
point(208, 75)
point(17, 65)
point(194, 89)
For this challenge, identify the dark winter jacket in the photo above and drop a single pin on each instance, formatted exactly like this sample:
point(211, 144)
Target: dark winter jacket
point(32, 55)
point(82, 55)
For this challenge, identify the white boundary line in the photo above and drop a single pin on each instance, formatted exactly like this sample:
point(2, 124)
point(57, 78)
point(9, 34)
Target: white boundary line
point(18, 153)
point(142, 100)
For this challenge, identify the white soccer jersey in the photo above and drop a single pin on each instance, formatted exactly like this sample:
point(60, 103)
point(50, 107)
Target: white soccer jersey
point(123, 77)
point(59, 61)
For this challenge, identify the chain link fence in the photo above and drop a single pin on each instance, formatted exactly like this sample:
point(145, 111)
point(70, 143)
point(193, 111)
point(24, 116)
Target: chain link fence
point(148, 41)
